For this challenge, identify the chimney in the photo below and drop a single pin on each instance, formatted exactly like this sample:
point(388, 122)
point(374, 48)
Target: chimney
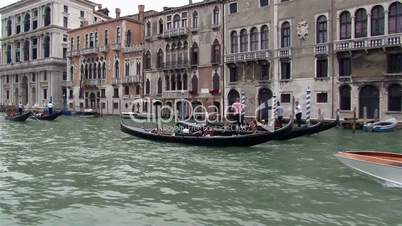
point(118, 12)
point(141, 10)
point(190, 2)
point(99, 6)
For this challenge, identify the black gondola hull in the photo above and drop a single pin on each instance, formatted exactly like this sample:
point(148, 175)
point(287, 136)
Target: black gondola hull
point(50, 117)
point(19, 118)
point(308, 130)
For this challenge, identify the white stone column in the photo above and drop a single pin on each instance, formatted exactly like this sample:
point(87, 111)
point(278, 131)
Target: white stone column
point(353, 28)
point(386, 22)
point(369, 25)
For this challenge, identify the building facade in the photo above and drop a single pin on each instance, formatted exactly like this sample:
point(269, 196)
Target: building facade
point(184, 55)
point(345, 52)
point(34, 48)
point(105, 65)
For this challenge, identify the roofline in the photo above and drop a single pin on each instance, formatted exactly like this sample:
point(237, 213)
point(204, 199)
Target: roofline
point(106, 22)
point(20, 2)
point(188, 6)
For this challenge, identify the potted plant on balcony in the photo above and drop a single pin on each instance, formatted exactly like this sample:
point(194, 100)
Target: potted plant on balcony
point(214, 92)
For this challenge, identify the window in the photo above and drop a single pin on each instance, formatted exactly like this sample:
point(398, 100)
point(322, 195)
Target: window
point(64, 53)
point(394, 97)
point(345, 25)
point(96, 39)
point(65, 37)
point(115, 92)
point(395, 18)
point(195, 19)
point(147, 87)
point(127, 68)
point(106, 38)
point(285, 98)
point(71, 94)
point(128, 38)
point(159, 59)
point(65, 9)
point(322, 29)
point(27, 22)
point(118, 35)
point(82, 14)
point(263, 3)
point(216, 82)
point(233, 73)
point(377, 20)
point(160, 86)
point(264, 73)
point(160, 26)
point(215, 20)
point(86, 41)
point(116, 69)
point(322, 98)
point(17, 52)
point(194, 54)
point(395, 63)
point(285, 69)
point(35, 21)
point(194, 85)
point(148, 60)
point(126, 90)
point(115, 105)
point(264, 37)
point(254, 39)
point(233, 8)
point(26, 50)
point(216, 52)
point(45, 94)
point(78, 42)
point(33, 77)
point(345, 66)
point(103, 93)
point(47, 16)
point(64, 76)
point(148, 29)
point(285, 35)
point(322, 67)
point(234, 42)
point(34, 48)
point(9, 27)
point(361, 23)
point(243, 41)
point(184, 19)
point(46, 46)
point(65, 22)
point(345, 98)
point(176, 21)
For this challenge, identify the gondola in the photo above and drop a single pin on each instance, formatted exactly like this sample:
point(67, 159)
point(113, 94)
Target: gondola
point(211, 141)
point(19, 118)
point(51, 117)
point(308, 130)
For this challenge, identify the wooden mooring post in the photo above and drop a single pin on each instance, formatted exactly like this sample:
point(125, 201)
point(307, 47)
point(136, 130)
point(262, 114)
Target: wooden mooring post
point(354, 120)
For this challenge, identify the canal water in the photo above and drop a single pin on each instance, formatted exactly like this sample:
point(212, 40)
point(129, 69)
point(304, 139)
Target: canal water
point(84, 172)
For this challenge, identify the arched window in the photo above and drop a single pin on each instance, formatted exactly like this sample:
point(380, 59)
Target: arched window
point(8, 54)
point(148, 60)
point(94, 75)
point(127, 68)
point(345, 98)
point(173, 82)
point(126, 90)
point(47, 16)
point(194, 85)
point(233, 73)
point(395, 18)
point(86, 71)
point(46, 46)
point(159, 61)
point(148, 87)
point(99, 70)
point(216, 82)
point(176, 21)
point(128, 38)
point(90, 71)
point(285, 35)
point(116, 69)
point(9, 27)
point(216, 52)
point(234, 42)
point(185, 51)
point(184, 81)
point(195, 19)
point(377, 20)
point(160, 86)
point(394, 97)
point(27, 22)
point(361, 23)
point(369, 102)
point(194, 54)
point(161, 26)
point(148, 29)
point(322, 29)
point(104, 71)
point(233, 95)
point(345, 25)
point(243, 41)
point(216, 16)
point(254, 39)
point(26, 50)
point(167, 82)
point(137, 90)
point(179, 82)
point(264, 37)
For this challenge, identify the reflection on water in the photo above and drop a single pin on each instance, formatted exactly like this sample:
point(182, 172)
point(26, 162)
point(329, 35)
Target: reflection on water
point(86, 172)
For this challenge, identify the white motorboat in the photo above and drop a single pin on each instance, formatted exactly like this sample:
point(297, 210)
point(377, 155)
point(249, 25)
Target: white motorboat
point(382, 126)
point(381, 165)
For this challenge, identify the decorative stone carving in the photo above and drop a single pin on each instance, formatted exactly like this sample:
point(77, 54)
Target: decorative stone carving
point(302, 30)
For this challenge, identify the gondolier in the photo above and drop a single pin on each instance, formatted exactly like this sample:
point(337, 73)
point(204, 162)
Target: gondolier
point(239, 111)
point(299, 114)
point(50, 107)
point(20, 108)
point(280, 111)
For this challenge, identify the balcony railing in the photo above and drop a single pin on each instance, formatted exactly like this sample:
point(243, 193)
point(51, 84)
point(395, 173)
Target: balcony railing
point(90, 50)
point(73, 53)
point(131, 79)
point(37, 62)
point(67, 83)
point(368, 43)
point(175, 32)
point(248, 56)
point(185, 94)
point(104, 48)
point(321, 49)
point(284, 52)
point(175, 65)
point(115, 81)
point(133, 48)
point(116, 46)
point(93, 82)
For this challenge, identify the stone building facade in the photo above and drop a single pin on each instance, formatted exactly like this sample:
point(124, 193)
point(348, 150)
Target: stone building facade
point(346, 52)
point(105, 65)
point(34, 48)
point(183, 56)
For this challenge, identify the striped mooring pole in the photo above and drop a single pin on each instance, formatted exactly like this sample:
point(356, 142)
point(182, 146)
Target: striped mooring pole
point(273, 116)
point(308, 105)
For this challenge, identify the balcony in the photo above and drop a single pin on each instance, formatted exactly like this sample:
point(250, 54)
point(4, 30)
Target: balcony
point(116, 46)
point(104, 49)
point(321, 49)
point(92, 82)
point(33, 63)
point(116, 81)
point(176, 94)
point(90, 50)
point(284, 52)
point(177, 32)
point(65, 83)
point(73, 53)
point(174, 65)
point(131, 79)
point(133, 48)
point(248, 56)
point(368, 43)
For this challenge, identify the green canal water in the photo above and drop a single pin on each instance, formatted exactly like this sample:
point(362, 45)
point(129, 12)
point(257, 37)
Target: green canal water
point(84, 172)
